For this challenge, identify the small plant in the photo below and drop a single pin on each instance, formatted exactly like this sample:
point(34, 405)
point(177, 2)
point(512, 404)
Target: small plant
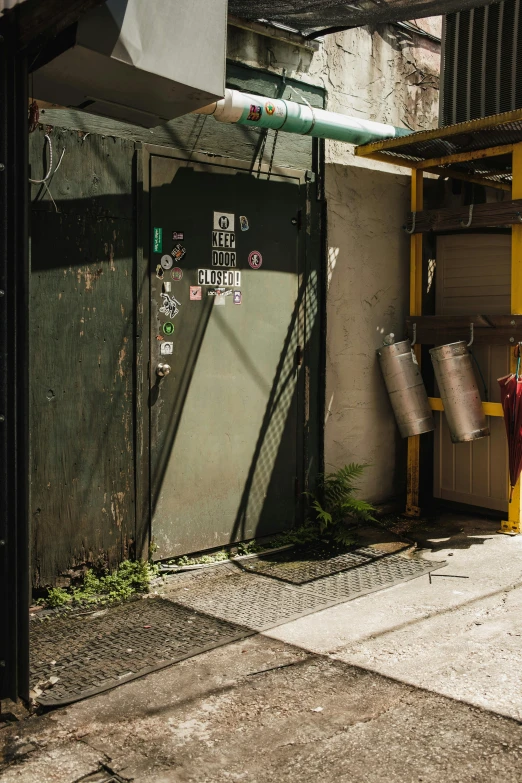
point(129, 578)
point(57, 596)
point(338, 507)
point(214, 557)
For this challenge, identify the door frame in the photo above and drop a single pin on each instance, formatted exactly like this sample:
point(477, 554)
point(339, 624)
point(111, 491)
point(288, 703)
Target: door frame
point(308, 259)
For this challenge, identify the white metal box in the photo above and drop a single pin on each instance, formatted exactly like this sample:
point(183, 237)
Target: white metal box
point(140, 61)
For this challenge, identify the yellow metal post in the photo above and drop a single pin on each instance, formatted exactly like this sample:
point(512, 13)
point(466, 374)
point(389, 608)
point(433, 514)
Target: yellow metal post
point(412, 481)
point(512, 525)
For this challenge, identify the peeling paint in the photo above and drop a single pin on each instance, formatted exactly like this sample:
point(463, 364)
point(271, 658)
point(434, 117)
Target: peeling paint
point(118, 508)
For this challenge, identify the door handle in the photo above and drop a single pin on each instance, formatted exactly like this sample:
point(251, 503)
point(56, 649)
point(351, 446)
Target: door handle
point(162, 370)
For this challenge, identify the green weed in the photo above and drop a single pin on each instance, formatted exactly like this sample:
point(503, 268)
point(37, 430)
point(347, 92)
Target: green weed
point(336, 508)
point(130, 577)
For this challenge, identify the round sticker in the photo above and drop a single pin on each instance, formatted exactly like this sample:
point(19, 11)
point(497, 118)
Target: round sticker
point(177, 274)
point(224, 222)
point(166, 262)
point(269, 108)
point(255, 259)
point(168, 327)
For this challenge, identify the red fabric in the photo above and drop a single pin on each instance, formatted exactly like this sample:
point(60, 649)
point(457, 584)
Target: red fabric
point(511, 401)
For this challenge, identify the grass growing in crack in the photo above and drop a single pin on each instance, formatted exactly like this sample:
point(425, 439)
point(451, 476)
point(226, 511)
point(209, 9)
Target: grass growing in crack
point(129, 578)
point(305, 534)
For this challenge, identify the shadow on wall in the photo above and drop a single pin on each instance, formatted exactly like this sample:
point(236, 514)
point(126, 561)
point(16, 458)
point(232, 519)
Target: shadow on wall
point(367, 298)
point(85, 423)
point(245, 477)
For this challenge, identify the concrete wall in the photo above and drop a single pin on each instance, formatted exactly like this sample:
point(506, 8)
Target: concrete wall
point(390, 75)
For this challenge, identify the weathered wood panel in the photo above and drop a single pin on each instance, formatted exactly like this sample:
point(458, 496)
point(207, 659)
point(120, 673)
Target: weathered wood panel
point(85, 420)
point(496, 213)
point(82, 346)
point(197, 133)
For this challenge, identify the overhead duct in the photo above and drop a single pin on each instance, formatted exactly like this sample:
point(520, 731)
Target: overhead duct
point(291, 117)
point(137, 61)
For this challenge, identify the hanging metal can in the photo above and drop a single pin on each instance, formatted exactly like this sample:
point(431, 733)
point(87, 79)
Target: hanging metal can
point(406, 389)
point(459, 392)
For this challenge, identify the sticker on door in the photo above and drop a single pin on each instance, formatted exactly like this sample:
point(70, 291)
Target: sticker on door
point(170, 306)
point(223, 221)
point(166, 348)
point(225, 277)
point(255, 259)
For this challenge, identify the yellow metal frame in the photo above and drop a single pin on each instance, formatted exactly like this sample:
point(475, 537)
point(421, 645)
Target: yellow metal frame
point(513, 525)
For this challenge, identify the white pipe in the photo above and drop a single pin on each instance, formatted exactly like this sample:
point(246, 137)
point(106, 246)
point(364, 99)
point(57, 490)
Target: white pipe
point(262, 112)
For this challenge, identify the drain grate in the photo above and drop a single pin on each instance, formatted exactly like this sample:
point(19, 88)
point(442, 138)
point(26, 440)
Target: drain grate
point(93, 652)
point(310, 564)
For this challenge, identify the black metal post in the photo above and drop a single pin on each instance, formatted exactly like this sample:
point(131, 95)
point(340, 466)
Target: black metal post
point(14, 441)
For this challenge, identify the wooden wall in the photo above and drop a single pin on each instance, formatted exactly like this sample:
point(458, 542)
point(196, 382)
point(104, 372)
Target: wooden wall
point(83, 303)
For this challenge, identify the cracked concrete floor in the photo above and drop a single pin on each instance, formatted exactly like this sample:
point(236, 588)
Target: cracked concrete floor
point(418, 682)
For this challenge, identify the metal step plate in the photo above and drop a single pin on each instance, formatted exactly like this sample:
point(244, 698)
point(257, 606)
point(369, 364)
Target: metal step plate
point(94, 651)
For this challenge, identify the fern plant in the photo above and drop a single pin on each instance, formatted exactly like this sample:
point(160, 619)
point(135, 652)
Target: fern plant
point(337, 506)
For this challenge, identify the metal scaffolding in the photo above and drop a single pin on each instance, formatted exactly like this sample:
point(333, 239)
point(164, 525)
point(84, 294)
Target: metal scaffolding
point(487, 151)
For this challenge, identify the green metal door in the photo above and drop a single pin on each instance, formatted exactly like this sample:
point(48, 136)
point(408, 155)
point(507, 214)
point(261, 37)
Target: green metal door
point(226, 317)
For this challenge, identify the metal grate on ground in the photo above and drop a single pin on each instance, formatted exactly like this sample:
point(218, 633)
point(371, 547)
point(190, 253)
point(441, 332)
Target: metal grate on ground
point(95, 651)
point(261, 603)
point(310, 564)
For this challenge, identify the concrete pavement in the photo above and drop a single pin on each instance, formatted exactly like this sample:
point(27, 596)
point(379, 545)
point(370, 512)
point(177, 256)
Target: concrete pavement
point(420, 682)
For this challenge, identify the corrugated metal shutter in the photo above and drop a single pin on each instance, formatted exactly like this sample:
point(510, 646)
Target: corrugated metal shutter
point(482, 62)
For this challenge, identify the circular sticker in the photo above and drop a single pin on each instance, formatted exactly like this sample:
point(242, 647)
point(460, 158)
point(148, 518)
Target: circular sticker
point(177, 274)
point(224, 222)
point(166, 262)
point(168, 327)
point(255, 259)
point(269, 108)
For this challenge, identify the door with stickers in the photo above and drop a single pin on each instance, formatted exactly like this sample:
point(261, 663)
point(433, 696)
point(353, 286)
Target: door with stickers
point(226, 321)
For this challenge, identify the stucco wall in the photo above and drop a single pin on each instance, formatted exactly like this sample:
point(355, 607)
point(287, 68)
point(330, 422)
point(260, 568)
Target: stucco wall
point(388, 75)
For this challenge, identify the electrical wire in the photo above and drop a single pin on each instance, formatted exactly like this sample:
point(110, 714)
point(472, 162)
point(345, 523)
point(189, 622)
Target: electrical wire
point(39, 181)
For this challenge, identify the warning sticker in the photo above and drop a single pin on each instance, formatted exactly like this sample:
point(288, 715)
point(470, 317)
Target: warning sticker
point(220, 277)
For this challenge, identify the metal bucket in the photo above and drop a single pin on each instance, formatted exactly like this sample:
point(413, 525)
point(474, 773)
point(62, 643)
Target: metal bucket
point(459, 392)
point(406, 389)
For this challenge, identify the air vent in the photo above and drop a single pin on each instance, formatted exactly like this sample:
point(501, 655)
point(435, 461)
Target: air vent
point(481, 62)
